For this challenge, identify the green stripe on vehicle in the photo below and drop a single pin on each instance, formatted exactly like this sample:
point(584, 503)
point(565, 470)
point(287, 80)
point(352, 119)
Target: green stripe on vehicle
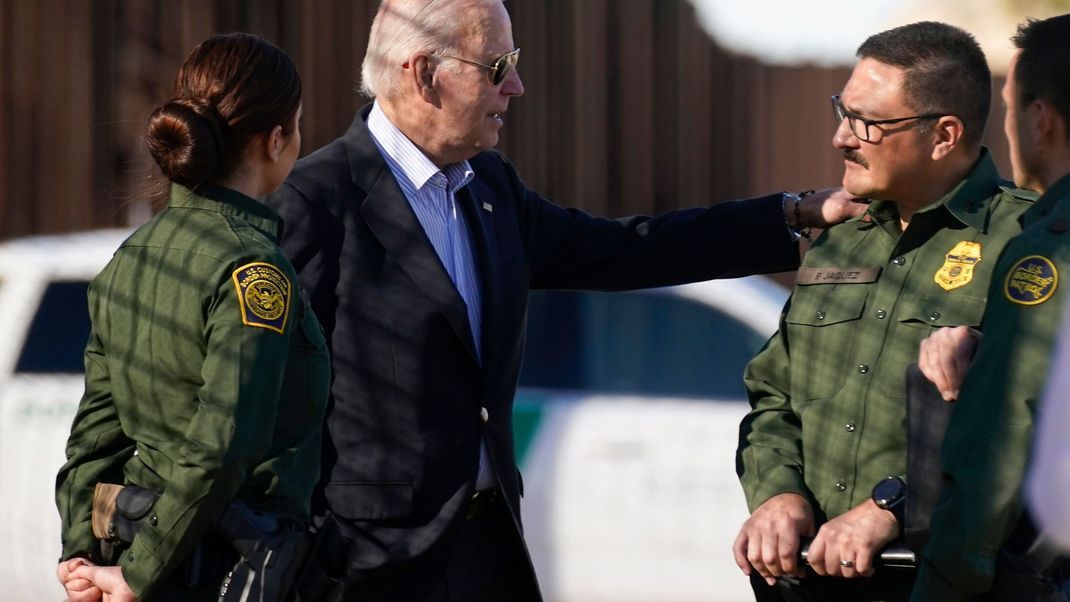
point(527, 414)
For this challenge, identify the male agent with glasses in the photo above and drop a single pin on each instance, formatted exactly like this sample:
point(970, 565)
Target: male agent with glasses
point(823, 452)
point(418, 244)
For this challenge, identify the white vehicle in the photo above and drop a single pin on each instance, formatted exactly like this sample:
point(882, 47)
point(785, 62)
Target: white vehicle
point(626, 424)
point(628, 444)
point(44, 321)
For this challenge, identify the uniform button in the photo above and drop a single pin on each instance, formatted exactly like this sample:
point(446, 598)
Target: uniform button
point(484, 415)
point(934, 316)
point(841, 485)
point(153, 520)
point(881, 313)
point(863, 368)
point(899, 260)
point(849, 427)
point(820, 315)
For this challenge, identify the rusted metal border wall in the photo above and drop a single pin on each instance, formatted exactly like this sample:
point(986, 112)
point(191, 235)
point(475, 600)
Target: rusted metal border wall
point(630, 107)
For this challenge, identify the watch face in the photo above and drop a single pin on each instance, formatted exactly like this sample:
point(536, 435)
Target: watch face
point(888, 492)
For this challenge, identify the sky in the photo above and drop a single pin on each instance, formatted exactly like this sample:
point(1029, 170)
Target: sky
point(827, 32)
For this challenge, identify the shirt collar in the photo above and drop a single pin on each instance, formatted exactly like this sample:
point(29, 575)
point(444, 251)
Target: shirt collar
point(228, 202)
point(1046, 203)
point(406, 160)
point(967, 202)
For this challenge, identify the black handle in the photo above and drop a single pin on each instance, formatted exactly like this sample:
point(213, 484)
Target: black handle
point(895, 554)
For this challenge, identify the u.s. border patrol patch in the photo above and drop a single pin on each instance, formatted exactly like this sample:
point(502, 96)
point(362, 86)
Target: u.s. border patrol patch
point(263, 294)
point(958, 265)
point(1032, 280)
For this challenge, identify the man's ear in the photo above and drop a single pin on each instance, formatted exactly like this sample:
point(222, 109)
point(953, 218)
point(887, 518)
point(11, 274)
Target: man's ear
point(423, 77)
point(947, 134)
point(1050, 127)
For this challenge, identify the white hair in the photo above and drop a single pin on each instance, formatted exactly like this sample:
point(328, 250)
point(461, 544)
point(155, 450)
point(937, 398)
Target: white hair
point(404, 27)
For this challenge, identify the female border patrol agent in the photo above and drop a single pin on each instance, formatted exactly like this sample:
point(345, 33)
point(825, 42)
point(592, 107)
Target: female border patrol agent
point(206, 371)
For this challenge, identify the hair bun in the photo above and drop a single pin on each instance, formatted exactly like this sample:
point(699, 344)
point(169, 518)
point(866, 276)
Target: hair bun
point(185, 137)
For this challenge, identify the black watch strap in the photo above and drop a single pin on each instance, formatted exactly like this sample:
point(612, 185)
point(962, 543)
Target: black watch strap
point(891, 494)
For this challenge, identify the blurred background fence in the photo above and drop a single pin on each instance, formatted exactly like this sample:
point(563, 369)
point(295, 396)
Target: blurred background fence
point(630, 106)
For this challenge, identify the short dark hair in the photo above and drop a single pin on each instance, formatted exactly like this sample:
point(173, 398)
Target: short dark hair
point(231, 88)
point(1043, 69)
point(946, 71)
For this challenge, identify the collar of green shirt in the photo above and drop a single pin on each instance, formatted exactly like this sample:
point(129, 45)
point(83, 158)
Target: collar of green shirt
point(1046, 203)
point(967, 202)
point(229, 202)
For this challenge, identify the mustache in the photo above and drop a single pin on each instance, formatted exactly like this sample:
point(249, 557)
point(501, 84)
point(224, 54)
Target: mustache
point(852, 155)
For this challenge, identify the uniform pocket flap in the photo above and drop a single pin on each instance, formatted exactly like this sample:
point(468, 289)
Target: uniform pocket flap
point(370, 500)
point(945, 310)
point(841, 305)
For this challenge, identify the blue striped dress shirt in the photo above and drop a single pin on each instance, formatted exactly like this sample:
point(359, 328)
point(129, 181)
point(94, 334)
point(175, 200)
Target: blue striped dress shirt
point(432, 194)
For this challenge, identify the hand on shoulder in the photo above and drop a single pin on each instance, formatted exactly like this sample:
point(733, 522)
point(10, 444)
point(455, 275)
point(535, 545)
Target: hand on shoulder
point(829, 206)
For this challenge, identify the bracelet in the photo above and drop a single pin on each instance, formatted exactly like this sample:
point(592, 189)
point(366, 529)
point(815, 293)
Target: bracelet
point(784, 196)
point(796, 232)
point(803, 232)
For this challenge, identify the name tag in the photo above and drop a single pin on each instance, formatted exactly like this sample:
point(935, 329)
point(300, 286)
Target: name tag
point(836, 275)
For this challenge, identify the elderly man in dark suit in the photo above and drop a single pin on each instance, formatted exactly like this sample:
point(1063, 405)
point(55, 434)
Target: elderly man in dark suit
point(418, 244)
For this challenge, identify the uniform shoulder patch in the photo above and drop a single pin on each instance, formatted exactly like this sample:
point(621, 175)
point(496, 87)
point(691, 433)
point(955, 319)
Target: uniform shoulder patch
point(1031, 281)
point(263, 295)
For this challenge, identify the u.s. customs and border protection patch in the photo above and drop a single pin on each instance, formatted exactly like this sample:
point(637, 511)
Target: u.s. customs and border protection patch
point(263, 295)
point(958, 265)
point(1031, 281)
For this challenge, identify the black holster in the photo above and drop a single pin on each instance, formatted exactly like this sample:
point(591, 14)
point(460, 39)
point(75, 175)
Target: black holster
point(131, 509)
point(321, 577)
point(271, 551)
point(264, 552)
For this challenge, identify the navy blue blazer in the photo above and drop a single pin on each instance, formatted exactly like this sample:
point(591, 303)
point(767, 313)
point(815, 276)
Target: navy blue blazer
point(404, 424)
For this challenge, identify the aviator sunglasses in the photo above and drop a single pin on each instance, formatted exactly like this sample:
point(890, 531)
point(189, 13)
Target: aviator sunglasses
point(497, 70)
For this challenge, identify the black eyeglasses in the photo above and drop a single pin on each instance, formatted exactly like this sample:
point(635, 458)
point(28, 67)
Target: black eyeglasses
point(860, 126)
point(498, 68)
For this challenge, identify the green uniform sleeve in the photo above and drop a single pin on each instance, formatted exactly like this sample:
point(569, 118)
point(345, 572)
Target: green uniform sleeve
point(769, 459)
point(230, 431)
point(96, 451)
point(986, 450)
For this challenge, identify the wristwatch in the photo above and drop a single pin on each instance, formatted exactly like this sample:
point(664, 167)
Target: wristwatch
point(891, 494)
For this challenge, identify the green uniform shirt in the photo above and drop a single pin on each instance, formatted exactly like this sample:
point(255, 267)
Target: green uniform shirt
point(206, 379)
point(828, 418)
point(989, 436)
